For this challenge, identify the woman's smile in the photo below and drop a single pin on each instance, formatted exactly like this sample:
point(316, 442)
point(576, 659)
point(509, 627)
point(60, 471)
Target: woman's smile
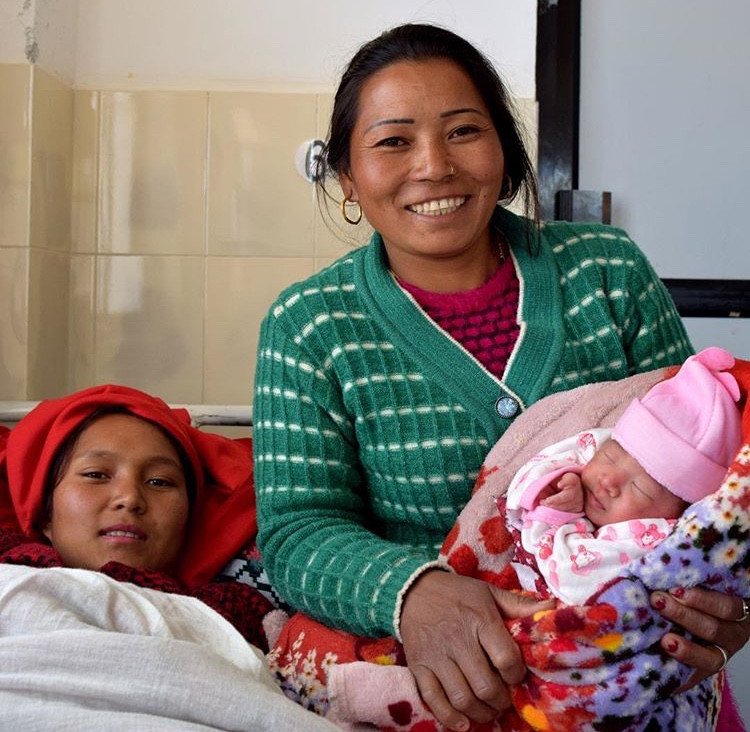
point(124, 533)
point(438, 206)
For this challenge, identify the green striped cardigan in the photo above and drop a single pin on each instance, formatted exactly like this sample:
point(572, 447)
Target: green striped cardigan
point(371, 423)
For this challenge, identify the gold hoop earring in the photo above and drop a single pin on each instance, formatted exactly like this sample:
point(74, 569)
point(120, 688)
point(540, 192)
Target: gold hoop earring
point(344, 203)
point(507, 190)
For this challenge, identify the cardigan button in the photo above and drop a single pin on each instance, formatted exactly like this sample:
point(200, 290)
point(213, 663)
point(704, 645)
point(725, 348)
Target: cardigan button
point(506, 407)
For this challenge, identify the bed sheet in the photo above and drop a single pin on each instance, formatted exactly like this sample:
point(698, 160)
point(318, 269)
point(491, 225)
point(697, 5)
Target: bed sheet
point(82, 652)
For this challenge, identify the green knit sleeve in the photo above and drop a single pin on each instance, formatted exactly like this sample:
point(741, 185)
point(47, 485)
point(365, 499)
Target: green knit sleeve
point(318, 546)
point(653, 332)
point(618, 317)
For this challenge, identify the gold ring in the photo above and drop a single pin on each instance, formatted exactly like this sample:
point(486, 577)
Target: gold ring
point(745, 611)
point(724, 658)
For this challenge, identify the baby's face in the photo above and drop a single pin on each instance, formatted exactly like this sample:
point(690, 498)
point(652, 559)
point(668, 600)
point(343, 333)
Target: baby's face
point(123, 498)
point(616, 488)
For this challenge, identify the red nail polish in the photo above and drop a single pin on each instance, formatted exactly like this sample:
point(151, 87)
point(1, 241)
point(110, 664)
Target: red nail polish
point(678, 591)
point(659, 603)
point(672, 646)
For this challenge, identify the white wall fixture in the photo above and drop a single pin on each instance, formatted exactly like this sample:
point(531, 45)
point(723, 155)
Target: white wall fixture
point(307, 160)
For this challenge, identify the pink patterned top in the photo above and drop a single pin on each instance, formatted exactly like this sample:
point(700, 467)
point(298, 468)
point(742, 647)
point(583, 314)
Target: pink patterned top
point(482, 320)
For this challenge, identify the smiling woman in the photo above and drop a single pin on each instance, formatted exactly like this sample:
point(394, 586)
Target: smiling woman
point(427, 166)
point(383, 380)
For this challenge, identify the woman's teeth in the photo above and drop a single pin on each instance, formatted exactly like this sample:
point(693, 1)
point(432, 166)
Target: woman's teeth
point(438, 207)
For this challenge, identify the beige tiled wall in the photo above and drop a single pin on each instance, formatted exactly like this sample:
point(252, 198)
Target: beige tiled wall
point(199, 219)
point(15, 176)
point(36, 162)
point(144, 234)
point(15, 140)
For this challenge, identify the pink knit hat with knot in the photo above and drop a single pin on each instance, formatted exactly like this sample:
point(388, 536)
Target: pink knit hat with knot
point(686, 431)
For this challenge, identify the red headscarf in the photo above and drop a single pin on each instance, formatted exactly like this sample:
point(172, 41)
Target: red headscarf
point(223, 514)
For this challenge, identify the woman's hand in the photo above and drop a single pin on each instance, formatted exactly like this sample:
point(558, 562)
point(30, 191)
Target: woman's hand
point(711, 616)
point(457, 647)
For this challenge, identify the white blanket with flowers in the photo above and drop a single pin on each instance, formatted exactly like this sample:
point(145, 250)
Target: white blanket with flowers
point(82, 652)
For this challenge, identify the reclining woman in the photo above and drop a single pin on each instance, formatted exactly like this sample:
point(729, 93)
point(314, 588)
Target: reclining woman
point(116, 517)
point(383, 381)
point(112, 479)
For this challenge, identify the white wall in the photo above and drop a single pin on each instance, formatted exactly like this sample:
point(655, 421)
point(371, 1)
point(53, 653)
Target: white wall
point(55, 26)
point(276, 45)
point(16, 18)
point(41, 31)
point(293, 45)
point(665, 114)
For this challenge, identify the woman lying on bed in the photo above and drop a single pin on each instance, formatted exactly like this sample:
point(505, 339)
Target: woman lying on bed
point(114, 480)
point(111, 479)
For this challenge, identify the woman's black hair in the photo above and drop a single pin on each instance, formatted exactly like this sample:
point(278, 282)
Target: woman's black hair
point(63, 456)
point(422, 42)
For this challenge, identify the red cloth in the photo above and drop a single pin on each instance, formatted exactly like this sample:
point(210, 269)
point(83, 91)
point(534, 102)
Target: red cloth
point(223, 514)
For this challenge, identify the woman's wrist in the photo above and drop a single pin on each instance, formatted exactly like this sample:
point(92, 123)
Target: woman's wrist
point(406, 593)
